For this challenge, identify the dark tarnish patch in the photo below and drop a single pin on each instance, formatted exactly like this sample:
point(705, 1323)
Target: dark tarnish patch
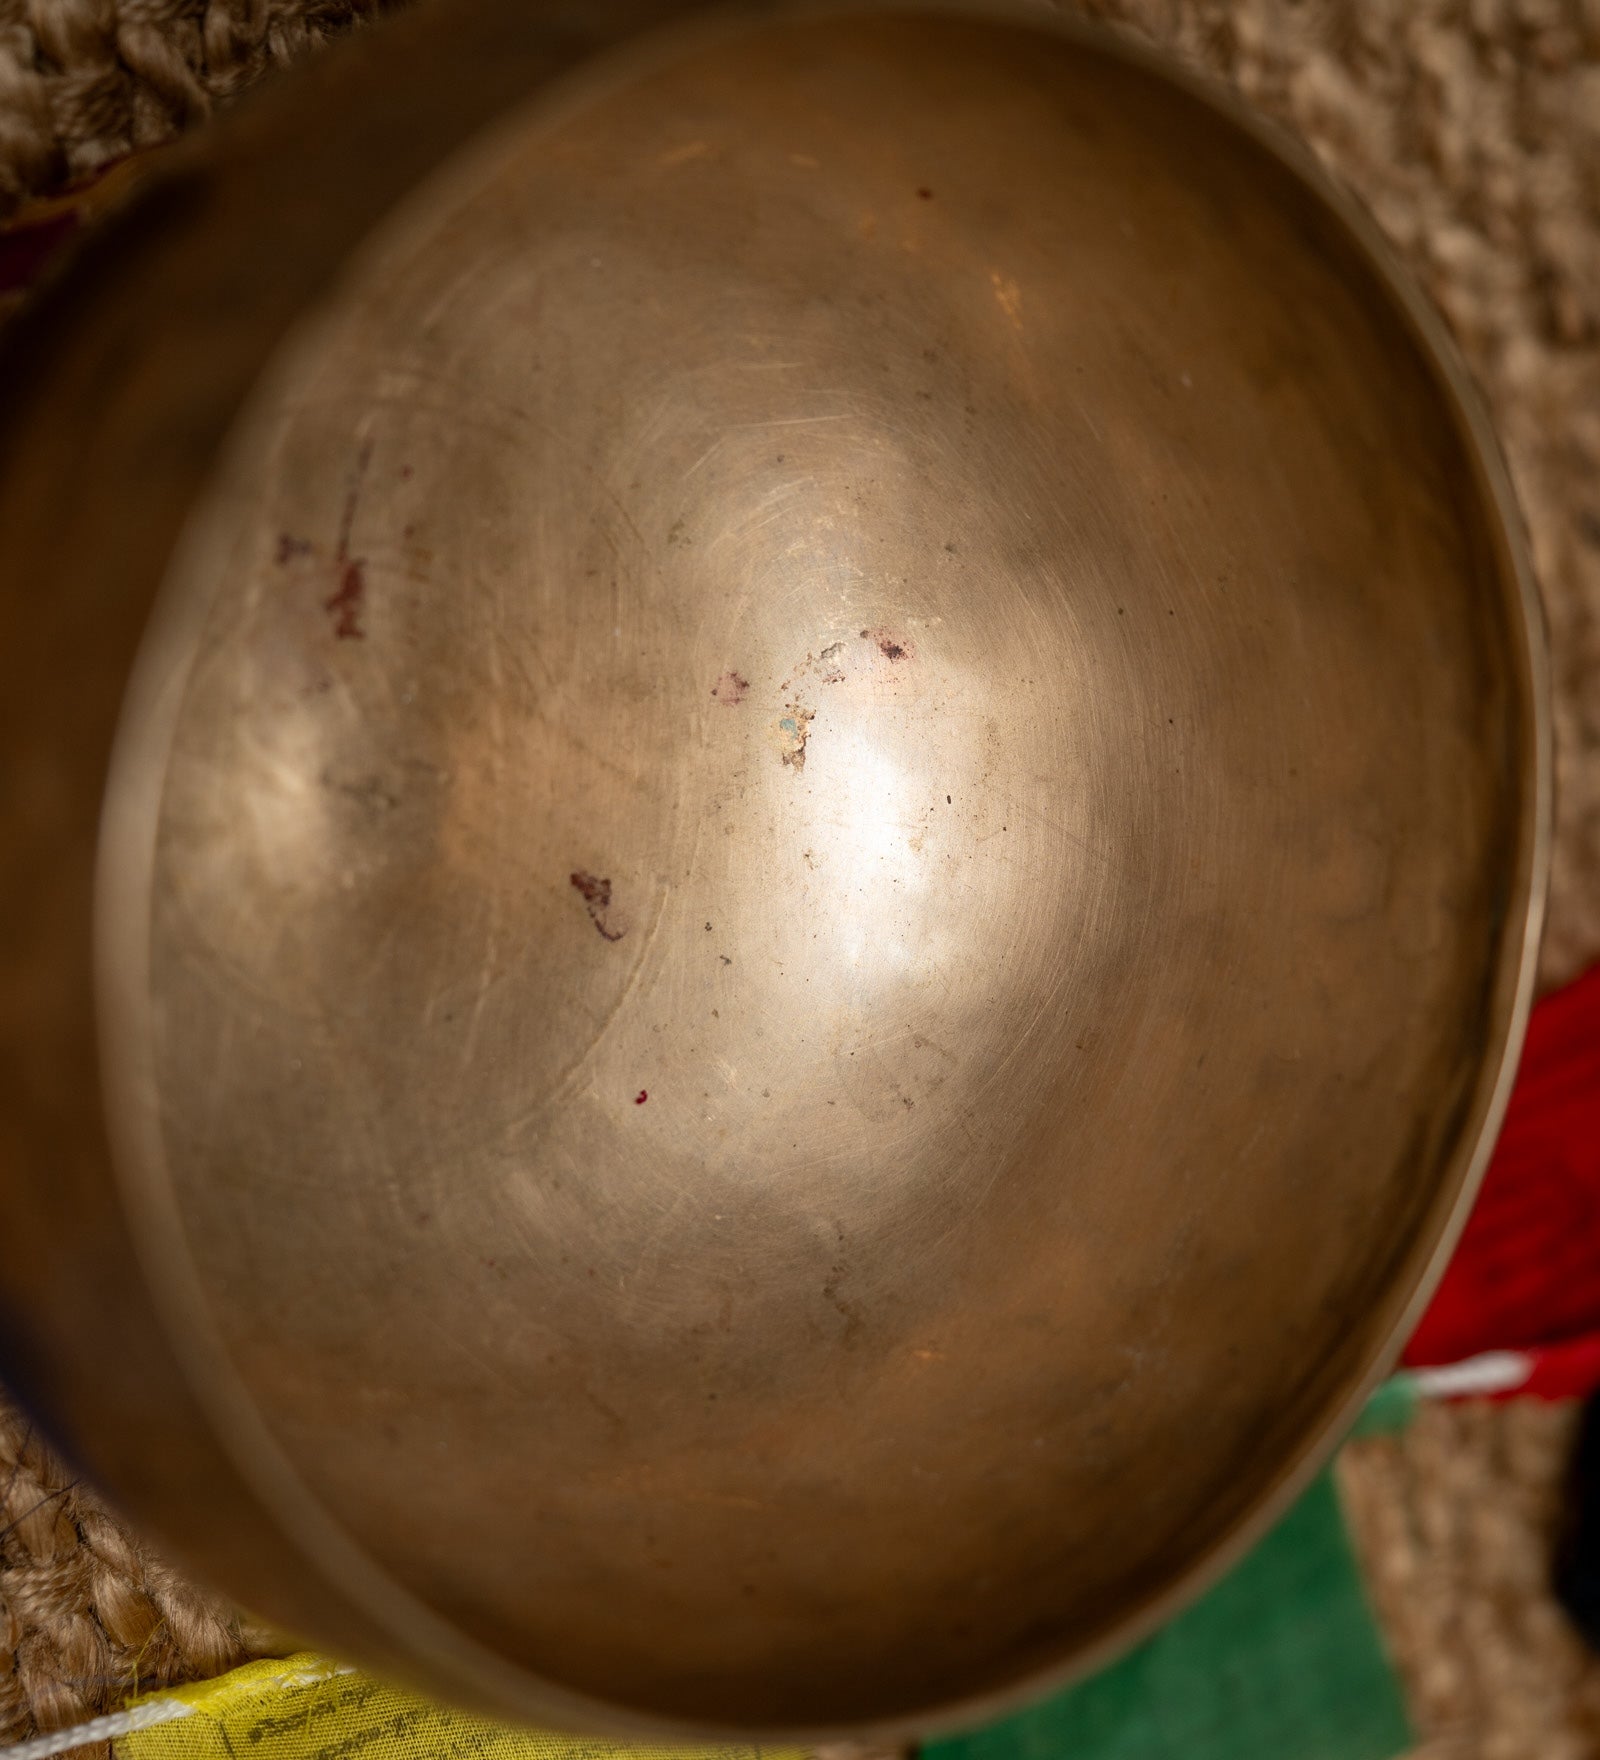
point(291, 548)
point(597, 902)
point(345, 602)
point(847, 1310)
point(730, 689)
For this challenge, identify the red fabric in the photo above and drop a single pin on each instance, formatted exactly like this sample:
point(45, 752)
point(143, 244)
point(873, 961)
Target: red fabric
point(1527, 1271)
point(1569, 1370)
point(24, 250)
point(29, 243)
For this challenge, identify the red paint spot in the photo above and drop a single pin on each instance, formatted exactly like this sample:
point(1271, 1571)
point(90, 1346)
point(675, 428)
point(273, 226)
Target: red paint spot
point(596, 896)
point(345, 604)
point(892, 647)
point(730, 689)
point(345, 601)
point(405, 473)
point(640, 1098)
point(594, 891)
point(925, 194)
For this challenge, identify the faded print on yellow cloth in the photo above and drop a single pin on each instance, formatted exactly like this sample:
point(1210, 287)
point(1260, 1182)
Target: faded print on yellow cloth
point(307, 1708)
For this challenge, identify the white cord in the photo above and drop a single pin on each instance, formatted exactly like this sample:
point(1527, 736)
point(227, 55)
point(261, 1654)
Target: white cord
point(145, 1716)
point(1489, 1372)
point(99, 1729)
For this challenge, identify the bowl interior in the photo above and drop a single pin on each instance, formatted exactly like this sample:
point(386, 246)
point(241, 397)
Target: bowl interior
point(837, 876)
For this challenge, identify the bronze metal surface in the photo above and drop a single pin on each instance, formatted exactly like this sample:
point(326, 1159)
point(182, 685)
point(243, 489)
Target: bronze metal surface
point(819, 876)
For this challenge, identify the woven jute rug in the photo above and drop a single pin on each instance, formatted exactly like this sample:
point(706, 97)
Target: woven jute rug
point(83, 82)
point(1472, 130)
point(1454, 1523)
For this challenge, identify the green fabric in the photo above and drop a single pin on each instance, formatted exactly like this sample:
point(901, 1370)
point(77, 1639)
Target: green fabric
point(1392, 1407)
point(1281, 1661)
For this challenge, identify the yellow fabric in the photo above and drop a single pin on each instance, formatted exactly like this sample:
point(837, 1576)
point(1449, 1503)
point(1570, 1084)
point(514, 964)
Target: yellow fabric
point(307, 1708)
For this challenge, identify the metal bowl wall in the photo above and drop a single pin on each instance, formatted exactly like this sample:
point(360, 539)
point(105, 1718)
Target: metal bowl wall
point(820, 870)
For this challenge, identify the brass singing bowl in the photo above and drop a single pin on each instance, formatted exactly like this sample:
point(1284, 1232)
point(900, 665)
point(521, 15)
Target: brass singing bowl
point(819, 875)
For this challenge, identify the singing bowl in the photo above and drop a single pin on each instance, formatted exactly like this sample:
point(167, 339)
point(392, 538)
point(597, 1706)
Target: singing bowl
point(824, 783)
